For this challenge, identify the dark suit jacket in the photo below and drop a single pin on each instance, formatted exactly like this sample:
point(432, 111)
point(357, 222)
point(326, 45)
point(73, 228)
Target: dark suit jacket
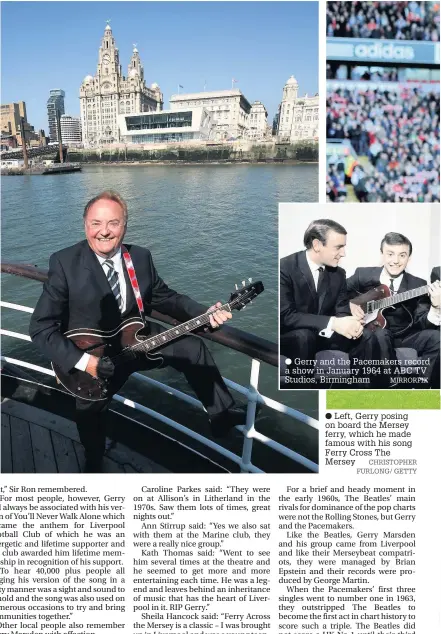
point(77, 295)
point(300, 305)
point(410, 314)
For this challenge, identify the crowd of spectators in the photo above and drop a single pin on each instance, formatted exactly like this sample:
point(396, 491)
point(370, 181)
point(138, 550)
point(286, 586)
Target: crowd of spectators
point(398, 130)
point(362, 73)
point(384, 20)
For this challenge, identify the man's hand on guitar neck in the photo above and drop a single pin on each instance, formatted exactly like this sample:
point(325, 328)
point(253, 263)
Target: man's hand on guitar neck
point(356, 311)
point(218, 317)
point(435, 294)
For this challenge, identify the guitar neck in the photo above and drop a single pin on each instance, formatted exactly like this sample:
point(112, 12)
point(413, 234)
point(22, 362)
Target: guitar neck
point(177, 331)
point(400, 297)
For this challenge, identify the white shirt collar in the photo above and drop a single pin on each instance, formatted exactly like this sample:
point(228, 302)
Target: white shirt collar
point(385, 278)
point(116, 259)
point(312, 265)
point(119, 268)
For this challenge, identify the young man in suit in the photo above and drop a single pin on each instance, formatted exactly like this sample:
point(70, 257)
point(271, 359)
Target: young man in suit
point(88, 287)
point(314, 306)
point(411, 324)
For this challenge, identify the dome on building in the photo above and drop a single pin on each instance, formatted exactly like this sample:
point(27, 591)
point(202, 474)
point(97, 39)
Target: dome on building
point(135, 50)
point(292, 81)
point(108, 27)
point(155, 86)
point(87, 78)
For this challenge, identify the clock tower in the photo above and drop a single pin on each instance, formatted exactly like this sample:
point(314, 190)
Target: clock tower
point(108, 56)
point(108, 94)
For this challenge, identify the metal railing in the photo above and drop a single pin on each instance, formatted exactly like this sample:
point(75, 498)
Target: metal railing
point(256, 348)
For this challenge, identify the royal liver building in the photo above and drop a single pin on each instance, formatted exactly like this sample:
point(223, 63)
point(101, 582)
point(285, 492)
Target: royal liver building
point(109, 93)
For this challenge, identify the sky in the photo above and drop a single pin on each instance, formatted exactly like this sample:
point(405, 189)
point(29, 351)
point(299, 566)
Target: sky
point(47, 45)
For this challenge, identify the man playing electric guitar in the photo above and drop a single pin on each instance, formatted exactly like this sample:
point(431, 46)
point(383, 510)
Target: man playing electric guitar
point(413, 323)
point(89, 287)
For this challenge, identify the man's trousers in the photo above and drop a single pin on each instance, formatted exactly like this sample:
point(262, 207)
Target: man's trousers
point(188, 355)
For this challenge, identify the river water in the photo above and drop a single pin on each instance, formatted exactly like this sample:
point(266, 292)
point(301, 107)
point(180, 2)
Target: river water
point(208, 227)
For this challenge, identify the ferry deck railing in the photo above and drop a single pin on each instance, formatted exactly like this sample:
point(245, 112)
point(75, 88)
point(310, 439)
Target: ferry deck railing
point(258, 349)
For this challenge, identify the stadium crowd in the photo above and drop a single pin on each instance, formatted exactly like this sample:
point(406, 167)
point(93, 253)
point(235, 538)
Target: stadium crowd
point(362, 73)
point(384, 20)
point(398, 130)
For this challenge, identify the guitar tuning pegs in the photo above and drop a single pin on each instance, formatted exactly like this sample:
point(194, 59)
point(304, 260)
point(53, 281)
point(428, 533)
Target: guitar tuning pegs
point(250, 279)
point(237, 288)
point(243, 282)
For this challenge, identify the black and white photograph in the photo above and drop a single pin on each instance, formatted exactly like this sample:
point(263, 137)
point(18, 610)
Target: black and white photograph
point(359, 297)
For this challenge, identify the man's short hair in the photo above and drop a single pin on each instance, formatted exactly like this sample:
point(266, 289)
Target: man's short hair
point(393, 238)
point(109, 194)
point(319, 229)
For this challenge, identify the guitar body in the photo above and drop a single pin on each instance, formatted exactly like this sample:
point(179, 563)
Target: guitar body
point(373, 318)
point(107, 344)
point(131, 347)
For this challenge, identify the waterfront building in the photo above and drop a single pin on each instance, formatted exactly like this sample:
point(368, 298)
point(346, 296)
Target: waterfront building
point(167, 126)
point(54, 103)
point(70, 129)
point(11, 115)
point(230, 110)
point(258, 122)
point(108, 94)
point(298, 116)
point(8, 142)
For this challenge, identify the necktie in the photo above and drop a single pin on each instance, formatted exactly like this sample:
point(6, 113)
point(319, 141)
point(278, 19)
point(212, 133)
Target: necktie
point(321, 271)
point(319, 289)
point(392, 290)
point(112, 277)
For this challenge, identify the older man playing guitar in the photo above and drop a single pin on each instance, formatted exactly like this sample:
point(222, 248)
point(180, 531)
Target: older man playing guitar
point(93, 287)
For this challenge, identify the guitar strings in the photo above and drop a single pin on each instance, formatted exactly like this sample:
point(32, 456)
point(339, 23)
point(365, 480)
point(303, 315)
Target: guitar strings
point(421, 290)
point(142, 344)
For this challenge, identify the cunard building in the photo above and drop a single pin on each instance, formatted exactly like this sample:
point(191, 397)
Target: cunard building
point(298, 116)
point(108, 94)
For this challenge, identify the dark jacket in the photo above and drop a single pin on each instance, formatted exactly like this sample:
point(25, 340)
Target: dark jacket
point(411, 314)
point(77, 295)
point(434, 276)
point(300, 304)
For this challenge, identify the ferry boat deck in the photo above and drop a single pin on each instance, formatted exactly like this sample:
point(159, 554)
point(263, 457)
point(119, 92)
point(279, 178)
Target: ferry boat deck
point(146, 433)
point(35, 441)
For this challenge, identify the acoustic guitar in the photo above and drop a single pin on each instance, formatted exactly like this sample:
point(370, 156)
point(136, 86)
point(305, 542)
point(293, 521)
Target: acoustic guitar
point(131, 343)
point(378, 299)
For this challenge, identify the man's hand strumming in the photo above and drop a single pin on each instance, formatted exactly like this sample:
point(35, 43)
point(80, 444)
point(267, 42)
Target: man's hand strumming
point(349, 327)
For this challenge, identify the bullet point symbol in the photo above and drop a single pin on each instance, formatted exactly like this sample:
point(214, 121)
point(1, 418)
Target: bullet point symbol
point(328, 415)
point(288, 361)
